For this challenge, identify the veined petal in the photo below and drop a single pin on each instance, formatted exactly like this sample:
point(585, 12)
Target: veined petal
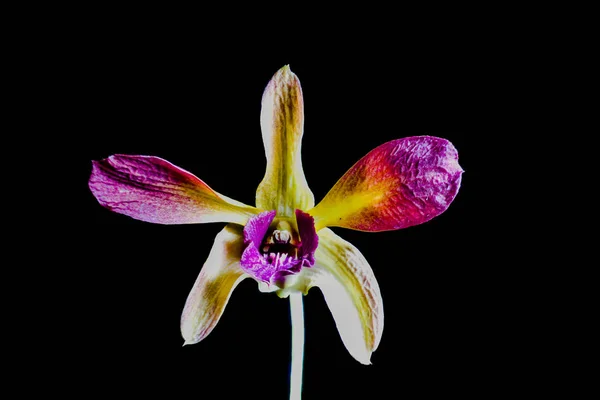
point(351, 292)
point(401, 183)
point(154, 190)
point(284, 187)
point(308, 236)
point(218, 278)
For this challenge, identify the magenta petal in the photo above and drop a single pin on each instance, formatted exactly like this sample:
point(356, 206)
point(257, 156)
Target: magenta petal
point(401, 183)
point(154, 190)
point(257, 227)
point(289, 267)
point(253, 263)
point(308, 236)
point(265, 267)
point(268, 269)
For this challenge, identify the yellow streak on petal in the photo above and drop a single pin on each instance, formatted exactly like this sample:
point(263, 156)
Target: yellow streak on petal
point(335, 210)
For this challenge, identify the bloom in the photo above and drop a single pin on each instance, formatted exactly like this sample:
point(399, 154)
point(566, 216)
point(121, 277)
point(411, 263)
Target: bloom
point(284, 242)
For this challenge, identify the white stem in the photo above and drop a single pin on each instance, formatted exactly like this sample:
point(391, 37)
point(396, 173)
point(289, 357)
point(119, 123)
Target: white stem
point(297, 314)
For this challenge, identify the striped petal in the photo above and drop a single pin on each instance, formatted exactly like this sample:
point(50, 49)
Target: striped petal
point(351, 292)
point(284, 187)
point(154, 190)
point(218, 278)
point(399, 184)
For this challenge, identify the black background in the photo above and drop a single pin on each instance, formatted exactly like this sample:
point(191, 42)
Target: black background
point(194, 99)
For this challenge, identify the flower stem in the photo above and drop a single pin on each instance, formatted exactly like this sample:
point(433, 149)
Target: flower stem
point(297, 315)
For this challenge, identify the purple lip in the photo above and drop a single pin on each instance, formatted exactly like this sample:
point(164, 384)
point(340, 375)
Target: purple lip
point(270, 263)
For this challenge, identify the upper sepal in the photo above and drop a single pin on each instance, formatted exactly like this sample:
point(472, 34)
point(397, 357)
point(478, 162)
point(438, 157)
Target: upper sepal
point(284, 187)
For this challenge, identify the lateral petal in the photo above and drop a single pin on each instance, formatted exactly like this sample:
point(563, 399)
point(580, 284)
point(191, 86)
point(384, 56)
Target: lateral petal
point(154, 190)
point(284, 187)
point(401, 183)
point(351, 292)
point(218, 278)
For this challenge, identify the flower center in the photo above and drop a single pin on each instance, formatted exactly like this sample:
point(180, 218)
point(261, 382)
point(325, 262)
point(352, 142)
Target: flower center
point(281, 244)
point(278, 248)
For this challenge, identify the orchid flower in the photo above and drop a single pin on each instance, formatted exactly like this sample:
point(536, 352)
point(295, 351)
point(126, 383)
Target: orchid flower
point(284, 243)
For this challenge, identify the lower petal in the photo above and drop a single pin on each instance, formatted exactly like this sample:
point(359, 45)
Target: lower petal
point(218, 278)
point(351, 292)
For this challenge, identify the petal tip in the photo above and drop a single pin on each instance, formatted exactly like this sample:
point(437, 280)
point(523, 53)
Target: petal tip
point(285, 70)
point(364, 359)
point(285, 76)
point(187, 343)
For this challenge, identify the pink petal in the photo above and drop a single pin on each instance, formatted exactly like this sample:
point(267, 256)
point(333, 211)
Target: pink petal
point(257, 227)
point(260, 267)
point(154, 190)
point(270, 268)
point(267, 270)
point(399, 184)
